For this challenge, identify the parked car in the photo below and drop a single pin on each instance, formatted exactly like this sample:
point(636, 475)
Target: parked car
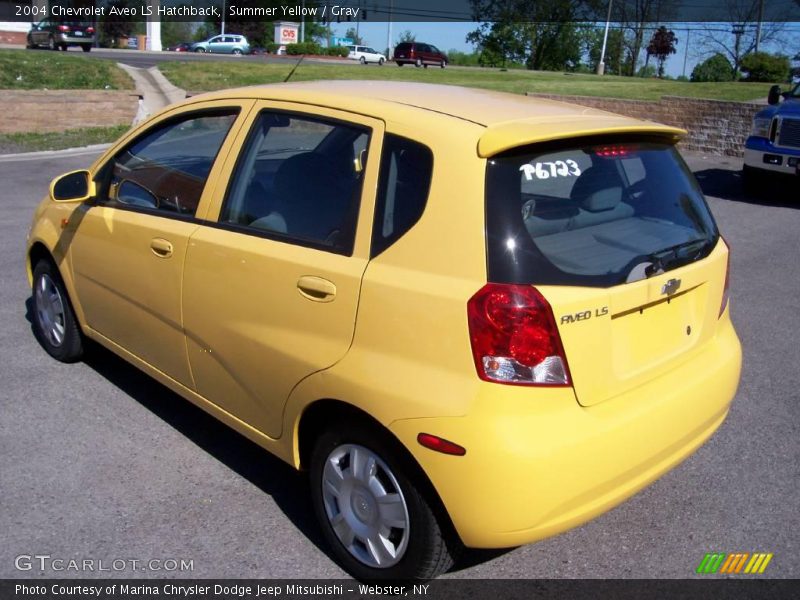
point(365, 54)
point(59, 35)
point(419, 55)
point(774, 143)
point(182, 47)
point(223, 44)
point(474, 323)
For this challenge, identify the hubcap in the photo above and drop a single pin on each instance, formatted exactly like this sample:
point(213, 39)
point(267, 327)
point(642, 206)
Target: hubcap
point(49, 310)
point(365, 506)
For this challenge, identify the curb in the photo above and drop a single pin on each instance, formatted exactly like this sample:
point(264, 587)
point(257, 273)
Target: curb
point(22, 156)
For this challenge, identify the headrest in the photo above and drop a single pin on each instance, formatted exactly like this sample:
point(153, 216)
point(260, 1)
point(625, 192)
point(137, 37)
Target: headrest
point(604, 199)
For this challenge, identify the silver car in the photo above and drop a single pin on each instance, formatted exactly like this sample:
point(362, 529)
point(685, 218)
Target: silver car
point(223, 44)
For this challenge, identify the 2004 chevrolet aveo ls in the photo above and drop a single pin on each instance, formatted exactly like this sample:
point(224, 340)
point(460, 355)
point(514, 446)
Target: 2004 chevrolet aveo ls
point(476, 319)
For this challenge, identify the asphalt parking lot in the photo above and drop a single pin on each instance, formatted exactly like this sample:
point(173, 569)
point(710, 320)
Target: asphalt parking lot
point(97, 461)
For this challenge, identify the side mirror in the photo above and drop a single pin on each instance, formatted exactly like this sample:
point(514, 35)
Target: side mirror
point(76, 186)
point(774, 95)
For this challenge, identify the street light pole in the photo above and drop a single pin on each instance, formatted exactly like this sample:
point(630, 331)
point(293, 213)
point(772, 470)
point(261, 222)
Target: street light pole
point(601, 66)
point(223, 18)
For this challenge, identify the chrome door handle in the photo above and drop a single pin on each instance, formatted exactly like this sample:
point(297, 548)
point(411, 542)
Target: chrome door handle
point(161, 247)
point(316, 288)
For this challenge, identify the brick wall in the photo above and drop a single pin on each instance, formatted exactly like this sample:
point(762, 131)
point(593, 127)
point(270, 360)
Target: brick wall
point(715, 127)
point(13, 37)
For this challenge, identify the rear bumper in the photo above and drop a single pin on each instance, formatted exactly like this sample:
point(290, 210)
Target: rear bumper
point(760, 154)
point(63, 38)
point(538, 463)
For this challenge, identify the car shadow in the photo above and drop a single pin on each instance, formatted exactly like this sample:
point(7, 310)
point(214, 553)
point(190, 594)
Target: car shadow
point(287, 487)
point(779, 191)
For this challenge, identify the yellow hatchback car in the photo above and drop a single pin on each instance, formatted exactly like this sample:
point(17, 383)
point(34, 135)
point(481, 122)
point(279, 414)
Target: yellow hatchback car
point(476, 319)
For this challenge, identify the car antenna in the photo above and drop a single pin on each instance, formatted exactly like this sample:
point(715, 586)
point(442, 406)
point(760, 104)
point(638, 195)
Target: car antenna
point(297, 64)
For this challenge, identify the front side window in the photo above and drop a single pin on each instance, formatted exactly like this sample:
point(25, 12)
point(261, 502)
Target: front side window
point(166, 168)
point(298, 179)
point(594, 214)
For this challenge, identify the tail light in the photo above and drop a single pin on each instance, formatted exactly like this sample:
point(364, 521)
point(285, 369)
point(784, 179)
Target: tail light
point(726, 288)
point(514, 337)
point(90, 30)
point(64, 28)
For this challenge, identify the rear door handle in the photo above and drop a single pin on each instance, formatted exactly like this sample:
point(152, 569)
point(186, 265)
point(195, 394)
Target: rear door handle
point(316, 288)
point(161, 247)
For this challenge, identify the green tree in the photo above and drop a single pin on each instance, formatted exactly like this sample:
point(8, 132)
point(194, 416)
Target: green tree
point(770, 68)
point(112, 28)
point(714, 68)
point(542, 35)
point(593, 45)
point(353, 35)
point(406, 36)
point(175, 32)
point(661, 45)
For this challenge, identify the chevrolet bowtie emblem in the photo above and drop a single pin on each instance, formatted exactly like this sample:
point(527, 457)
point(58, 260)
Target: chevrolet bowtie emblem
point(671, 287)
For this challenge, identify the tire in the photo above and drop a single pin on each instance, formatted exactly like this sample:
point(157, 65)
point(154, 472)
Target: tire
point(752, 180)
point(380, 62)
point(399, 64)
point(412, 540)
point(51, 43)
point(418, 63)
point(86, 48)
point(200, 50)
point(237, 52)
point(362, 60)
point(30, 45)
point(54, 323)
point(444, 64)
point(63, 47)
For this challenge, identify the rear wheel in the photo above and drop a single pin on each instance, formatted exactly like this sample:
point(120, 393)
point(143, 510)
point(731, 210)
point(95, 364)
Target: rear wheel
point(443, 64)
point(30, 45)
point(201, 50)
point(380, 62)
point(86, 48)
point(373, 514)
point(362, 60)
point(54, 323)
point(237, 52)
point(51, 43)
point(418, 64)
point(399, 64)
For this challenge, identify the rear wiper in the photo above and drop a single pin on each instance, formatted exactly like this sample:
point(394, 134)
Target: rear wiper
point(678, 254)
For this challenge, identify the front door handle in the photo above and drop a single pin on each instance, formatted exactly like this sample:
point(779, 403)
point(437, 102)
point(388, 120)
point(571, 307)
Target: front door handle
point(316, 288)
point(161, 247)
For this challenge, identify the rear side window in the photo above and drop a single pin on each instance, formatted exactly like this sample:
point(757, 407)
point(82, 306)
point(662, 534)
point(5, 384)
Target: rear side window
point(403, 185)
point(597, 214)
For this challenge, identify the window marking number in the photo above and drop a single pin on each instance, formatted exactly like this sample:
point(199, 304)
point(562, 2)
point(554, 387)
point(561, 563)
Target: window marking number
point(546, 170)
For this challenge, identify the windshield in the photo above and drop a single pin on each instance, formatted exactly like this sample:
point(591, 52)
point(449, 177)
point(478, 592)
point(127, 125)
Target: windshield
point(598, 214)
point(795, 93)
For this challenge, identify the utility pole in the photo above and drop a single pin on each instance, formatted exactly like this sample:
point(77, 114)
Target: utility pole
point(738, 31)
point(686, 51)
point(760, 19)
point(303, 22)
point(389, 31)
point(601, 66)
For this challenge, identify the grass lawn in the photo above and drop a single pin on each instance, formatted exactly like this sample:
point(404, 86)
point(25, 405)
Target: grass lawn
point(44, 69)
point(208, 76)
point(71, 138)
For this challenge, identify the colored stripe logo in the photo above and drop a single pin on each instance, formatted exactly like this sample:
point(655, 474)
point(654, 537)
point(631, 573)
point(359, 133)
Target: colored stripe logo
point(738, 562)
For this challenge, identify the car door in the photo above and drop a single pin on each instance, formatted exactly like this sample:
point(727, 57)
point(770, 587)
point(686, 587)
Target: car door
point(271, 289)
point(216, 44)
point(130, 243)
point(39, 34)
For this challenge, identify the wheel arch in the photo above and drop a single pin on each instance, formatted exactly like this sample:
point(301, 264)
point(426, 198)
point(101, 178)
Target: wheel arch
point(318, 414)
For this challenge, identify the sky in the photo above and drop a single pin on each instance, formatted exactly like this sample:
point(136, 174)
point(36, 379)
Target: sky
point(452, 36)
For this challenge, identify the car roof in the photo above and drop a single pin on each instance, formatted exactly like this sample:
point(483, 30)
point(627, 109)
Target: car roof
point(509, 119)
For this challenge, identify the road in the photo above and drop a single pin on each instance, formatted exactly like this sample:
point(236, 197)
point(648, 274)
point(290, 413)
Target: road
point(97, 461)
point(148, 59)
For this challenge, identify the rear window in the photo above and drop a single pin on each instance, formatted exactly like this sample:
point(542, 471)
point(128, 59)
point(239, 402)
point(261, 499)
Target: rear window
point(595, 214)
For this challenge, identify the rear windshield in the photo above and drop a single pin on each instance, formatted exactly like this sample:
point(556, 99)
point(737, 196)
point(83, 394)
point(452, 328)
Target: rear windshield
point(594, 214)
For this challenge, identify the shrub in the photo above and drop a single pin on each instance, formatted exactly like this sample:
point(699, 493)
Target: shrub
point(714, 68)
point(272, 47)
point(762, 66)
point(304, 48)
point(342, 51)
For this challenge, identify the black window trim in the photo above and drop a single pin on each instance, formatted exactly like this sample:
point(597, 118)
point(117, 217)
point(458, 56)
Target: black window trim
point(275, 235)
point(236, 111)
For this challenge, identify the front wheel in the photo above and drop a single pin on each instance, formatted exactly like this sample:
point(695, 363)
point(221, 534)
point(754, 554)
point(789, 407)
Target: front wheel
point(54, 323)
point(373, 515)
point(418, 63)
point(200, 50)
point(51, 43)
point(237, 52)
point(362, 60)
point(443, 64)
point(380, 62)
point(30, 45)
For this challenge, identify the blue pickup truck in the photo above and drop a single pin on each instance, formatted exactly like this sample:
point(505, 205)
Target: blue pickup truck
point(774, 143)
